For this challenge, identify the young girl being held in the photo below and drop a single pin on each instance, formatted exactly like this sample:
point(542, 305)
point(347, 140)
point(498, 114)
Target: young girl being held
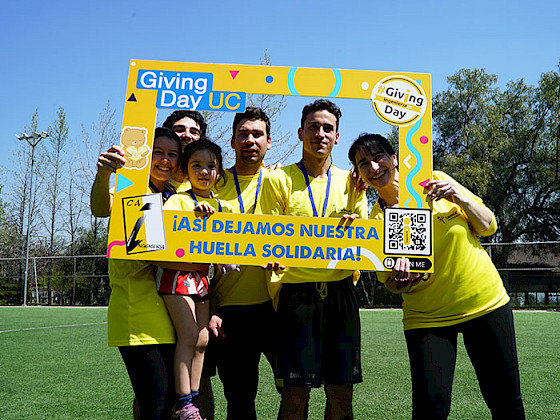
point(186, 293)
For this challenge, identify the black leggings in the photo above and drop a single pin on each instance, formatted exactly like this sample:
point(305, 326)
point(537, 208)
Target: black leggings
point(150, 369)
point(490, 344)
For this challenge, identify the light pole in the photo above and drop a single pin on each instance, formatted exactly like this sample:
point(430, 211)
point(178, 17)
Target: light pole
point(33, 141)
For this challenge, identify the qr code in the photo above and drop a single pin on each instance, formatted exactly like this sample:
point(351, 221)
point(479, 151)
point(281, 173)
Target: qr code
point(407, 231)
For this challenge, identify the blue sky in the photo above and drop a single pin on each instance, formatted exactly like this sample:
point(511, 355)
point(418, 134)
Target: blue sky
point(76, 54)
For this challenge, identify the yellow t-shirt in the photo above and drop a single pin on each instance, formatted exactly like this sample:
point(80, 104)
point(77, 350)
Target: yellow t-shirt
point(181, 187)
point(465, 283)
point(247, 286)
point(183, 201)
point(284, 192)
point(136, 314)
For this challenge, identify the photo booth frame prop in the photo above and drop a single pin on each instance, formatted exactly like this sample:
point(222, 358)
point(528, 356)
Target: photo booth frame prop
point(141, 229)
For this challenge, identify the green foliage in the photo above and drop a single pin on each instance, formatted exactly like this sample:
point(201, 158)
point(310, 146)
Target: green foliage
point(90, 242)
point(90, 284)
point(1, 206)
point(505, 147)
point(10, 292)
point(4, 231)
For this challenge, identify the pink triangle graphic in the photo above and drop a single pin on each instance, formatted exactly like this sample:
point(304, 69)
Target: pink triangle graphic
point(423, 183)
point(234, 73)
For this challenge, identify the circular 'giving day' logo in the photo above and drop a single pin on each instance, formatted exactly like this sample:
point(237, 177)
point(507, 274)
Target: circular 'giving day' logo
point(398, 100)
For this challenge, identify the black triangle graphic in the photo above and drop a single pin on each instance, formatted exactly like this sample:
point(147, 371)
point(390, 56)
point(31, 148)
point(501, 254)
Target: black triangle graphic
point(132, 98)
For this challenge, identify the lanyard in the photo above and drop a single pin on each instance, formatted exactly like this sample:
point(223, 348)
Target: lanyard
point(193, 196)
point(165, 194)
point(302, 167)
point(238, 188)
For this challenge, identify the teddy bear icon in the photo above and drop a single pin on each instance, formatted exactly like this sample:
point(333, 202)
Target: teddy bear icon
point(133, 140)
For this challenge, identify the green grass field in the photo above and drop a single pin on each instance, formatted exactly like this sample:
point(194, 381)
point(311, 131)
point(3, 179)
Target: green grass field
point(53, 372)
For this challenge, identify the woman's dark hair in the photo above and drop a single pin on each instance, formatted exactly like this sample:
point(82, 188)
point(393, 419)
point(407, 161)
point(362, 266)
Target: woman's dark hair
point(204, 143)
point(371, 142)
point(166, 132)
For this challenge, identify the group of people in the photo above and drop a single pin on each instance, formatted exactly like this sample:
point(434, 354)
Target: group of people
point(177, 324)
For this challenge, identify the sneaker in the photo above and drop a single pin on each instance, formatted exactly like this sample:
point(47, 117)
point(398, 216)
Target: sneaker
point(196, 402)
point(188, 412)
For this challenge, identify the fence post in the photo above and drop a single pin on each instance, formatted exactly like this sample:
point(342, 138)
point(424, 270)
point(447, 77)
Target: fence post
point(74, 282)
point(36, 287)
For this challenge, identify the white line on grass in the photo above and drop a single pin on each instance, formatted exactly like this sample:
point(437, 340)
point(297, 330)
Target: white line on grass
point(53, 326)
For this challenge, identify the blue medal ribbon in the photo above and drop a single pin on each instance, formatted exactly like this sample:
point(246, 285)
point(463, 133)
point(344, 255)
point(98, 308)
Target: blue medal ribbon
point(193, 196)
point(302, 167)
point(238, 188)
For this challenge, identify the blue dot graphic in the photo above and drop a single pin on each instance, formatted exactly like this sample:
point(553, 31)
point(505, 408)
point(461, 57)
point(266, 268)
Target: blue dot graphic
point(269, 79)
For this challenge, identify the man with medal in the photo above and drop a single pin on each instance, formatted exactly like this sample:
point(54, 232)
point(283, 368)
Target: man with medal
point(243, 316)
point(318, 326)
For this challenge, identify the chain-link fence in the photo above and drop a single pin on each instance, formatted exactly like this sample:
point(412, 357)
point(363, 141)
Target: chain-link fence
point(531, 274)
point(530, 271)
point(60, 280)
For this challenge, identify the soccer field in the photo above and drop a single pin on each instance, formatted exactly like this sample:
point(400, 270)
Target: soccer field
point(55, 364)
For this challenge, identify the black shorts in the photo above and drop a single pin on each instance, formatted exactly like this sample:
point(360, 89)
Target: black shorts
point(195, 298)
point(318, 337)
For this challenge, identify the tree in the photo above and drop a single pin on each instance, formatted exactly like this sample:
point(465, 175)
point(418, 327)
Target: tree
point(23, 204)
point(10, 246)
point(219, 132)
point(462, 116)
point(91, 290)
point(54, 181)
point(18, 191)
point(3, 226)
point(283, 143)
point(54, 176)
point(103, 134)
point(505, 147)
